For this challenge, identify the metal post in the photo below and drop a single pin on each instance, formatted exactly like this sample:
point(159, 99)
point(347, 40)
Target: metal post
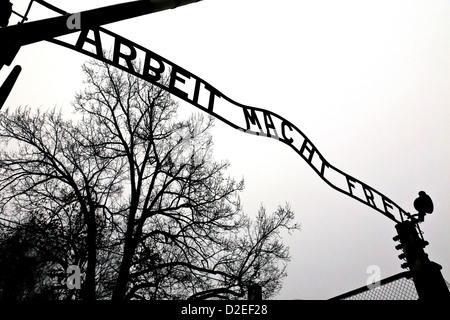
point(254, 292)
point(426, 274)
point(7, 86)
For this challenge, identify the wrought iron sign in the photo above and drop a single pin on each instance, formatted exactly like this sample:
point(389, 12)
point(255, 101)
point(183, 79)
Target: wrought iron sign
point(198, 92)
point(91, 38)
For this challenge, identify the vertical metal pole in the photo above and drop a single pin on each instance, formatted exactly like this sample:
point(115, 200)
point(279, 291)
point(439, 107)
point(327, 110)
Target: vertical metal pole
point(254, 292)
point(426, 274)
point(7, 86)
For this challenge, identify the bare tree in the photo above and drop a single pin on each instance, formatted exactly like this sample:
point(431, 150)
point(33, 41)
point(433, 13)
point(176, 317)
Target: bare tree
point(54, 176)
point(137, 200)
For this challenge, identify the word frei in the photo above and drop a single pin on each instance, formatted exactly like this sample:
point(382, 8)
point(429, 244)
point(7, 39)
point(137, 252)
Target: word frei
point(126, 55)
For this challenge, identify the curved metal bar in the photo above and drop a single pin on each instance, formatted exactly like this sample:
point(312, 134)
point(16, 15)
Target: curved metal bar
point(255, 121)
point(251, 120)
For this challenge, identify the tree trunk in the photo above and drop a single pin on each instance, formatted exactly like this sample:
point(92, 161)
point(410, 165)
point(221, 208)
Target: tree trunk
point(120, 288)
point(89, 285)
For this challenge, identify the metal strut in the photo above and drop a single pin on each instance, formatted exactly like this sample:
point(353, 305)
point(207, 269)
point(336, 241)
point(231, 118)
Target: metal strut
point(46, 29)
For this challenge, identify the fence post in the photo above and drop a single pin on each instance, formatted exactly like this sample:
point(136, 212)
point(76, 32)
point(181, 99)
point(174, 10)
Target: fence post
point(426, 274)
point(254, 292)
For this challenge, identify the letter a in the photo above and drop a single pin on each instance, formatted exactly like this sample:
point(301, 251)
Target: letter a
point(97, 42)
point(373, 281)
point(74, 280)
point(74, 21)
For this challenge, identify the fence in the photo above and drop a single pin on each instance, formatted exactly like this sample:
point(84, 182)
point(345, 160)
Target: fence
point(397, 287)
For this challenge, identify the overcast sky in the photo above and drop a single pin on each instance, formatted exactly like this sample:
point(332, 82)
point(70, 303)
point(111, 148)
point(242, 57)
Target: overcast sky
point(366, 81)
